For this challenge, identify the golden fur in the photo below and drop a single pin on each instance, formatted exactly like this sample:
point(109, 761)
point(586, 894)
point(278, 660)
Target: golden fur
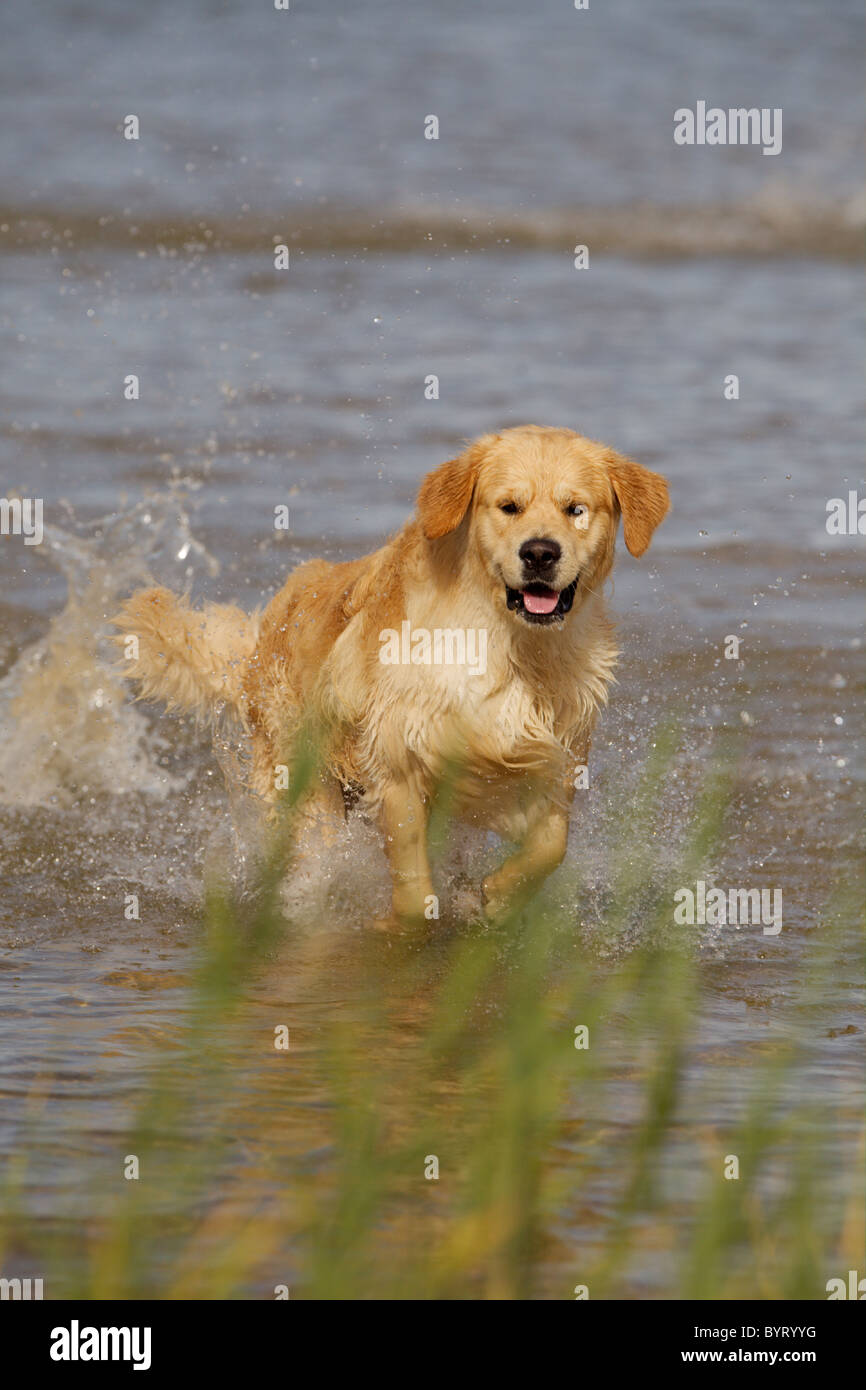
point(515, 731)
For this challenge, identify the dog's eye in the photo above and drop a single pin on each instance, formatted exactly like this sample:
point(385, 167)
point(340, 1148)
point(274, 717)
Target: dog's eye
point(510, 507)
point(577, 509)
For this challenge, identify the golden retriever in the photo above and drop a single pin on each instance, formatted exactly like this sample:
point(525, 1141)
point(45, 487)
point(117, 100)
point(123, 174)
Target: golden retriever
point(475, 644)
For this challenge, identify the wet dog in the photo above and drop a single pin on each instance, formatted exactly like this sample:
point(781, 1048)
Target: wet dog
point(508, 551)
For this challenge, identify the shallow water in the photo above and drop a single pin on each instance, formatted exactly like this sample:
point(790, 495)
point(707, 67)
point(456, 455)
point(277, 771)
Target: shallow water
point(307, 388)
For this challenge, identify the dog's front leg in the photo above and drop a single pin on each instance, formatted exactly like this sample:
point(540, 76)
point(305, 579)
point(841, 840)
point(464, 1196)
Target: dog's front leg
point(542, 851)
point(404, 822)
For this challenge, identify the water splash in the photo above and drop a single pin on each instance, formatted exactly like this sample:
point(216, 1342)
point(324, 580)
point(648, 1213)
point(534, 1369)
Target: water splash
point(72, 730)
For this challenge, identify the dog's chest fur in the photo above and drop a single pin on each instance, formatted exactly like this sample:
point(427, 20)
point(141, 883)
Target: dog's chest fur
point(515, 712)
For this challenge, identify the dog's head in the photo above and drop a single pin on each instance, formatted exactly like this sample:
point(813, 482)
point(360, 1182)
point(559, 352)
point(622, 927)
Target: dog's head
point(540, 508)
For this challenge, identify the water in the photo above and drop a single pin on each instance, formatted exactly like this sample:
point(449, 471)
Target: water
point(305, 387)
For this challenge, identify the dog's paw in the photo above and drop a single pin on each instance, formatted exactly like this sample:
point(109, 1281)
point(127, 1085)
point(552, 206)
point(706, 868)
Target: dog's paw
point(389, 925)
point(392, 925)
point(495, 900)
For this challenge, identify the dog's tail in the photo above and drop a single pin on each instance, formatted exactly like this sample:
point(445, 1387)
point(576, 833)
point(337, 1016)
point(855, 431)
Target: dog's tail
point(193, 659)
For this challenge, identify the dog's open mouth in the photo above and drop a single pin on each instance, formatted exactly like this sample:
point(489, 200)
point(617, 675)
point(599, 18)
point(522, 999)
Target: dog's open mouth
point(539, 604)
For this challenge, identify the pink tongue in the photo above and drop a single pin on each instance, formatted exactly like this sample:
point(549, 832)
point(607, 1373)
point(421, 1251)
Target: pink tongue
point(540, 603)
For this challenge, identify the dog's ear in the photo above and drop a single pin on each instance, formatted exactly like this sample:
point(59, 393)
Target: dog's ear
point(445, 493)
point(643, 500)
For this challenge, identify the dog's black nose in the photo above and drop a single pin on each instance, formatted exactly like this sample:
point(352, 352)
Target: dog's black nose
point(540, 554)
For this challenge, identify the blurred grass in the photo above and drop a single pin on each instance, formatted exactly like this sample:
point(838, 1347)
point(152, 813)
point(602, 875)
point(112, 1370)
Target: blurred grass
point(560, 1168)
